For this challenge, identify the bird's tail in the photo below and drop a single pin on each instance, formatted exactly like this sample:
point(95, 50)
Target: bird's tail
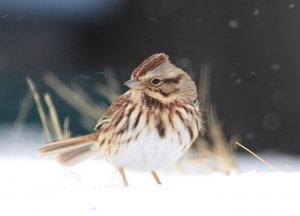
point(72, 151)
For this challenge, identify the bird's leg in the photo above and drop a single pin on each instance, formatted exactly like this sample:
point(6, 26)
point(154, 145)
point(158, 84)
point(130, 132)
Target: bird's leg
point(155, 176)
point(121, 170)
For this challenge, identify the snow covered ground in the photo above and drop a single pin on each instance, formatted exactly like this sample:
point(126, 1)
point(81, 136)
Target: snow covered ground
point(36, 187)
point(40, 187)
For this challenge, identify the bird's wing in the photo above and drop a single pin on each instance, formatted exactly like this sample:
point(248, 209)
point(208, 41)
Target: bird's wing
point(114, 107)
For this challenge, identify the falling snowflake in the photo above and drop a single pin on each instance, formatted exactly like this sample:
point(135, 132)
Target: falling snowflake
point(233, 24)
point(255, 12)
point(238, 81)
point(275, 66)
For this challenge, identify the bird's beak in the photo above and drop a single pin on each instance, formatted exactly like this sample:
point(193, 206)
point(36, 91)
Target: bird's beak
point(135, 84)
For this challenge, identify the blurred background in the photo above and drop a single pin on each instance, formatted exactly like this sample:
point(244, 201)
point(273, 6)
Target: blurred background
point(252, 48)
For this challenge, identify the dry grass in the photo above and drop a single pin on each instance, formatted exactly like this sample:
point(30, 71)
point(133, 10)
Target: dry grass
point(40, 108)
point(50, 121)
point(53, 116)
point(214, 147)
point(255, 155)
point(75, 96)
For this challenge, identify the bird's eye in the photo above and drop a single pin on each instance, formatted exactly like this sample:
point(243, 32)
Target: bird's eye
point(155, 81)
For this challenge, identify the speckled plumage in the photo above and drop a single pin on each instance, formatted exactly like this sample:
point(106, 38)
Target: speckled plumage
point(147, 128)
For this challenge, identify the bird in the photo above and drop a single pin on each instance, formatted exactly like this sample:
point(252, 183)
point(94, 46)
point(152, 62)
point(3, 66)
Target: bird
point(147, 128)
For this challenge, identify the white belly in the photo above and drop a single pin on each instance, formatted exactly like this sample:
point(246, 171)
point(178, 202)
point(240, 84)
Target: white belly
point(149, 152)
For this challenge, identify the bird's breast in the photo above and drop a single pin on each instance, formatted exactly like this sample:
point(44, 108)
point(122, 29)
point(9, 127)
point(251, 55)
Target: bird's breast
point(152, 146)
point(149, 151)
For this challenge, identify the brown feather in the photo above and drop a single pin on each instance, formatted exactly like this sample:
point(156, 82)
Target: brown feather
point(149, 64)
point(115, 106)
point(62, 146)
point(76, 156)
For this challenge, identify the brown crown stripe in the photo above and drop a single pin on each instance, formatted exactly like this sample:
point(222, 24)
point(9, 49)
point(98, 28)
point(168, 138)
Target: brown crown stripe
point(149, 64)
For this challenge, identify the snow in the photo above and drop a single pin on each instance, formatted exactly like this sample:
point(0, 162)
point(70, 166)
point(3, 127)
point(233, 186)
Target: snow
point(291, 6)
point(233, 24)
point(31, 186)
point(255, 12)
point(42, 187)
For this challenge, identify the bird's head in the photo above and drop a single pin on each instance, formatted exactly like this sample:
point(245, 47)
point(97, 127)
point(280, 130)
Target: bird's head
point(160, 79)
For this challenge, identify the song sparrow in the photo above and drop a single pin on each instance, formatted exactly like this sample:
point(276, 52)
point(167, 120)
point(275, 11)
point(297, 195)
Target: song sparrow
point(147, 128)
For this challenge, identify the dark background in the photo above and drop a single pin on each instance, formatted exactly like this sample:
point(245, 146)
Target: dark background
point(253, 47)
